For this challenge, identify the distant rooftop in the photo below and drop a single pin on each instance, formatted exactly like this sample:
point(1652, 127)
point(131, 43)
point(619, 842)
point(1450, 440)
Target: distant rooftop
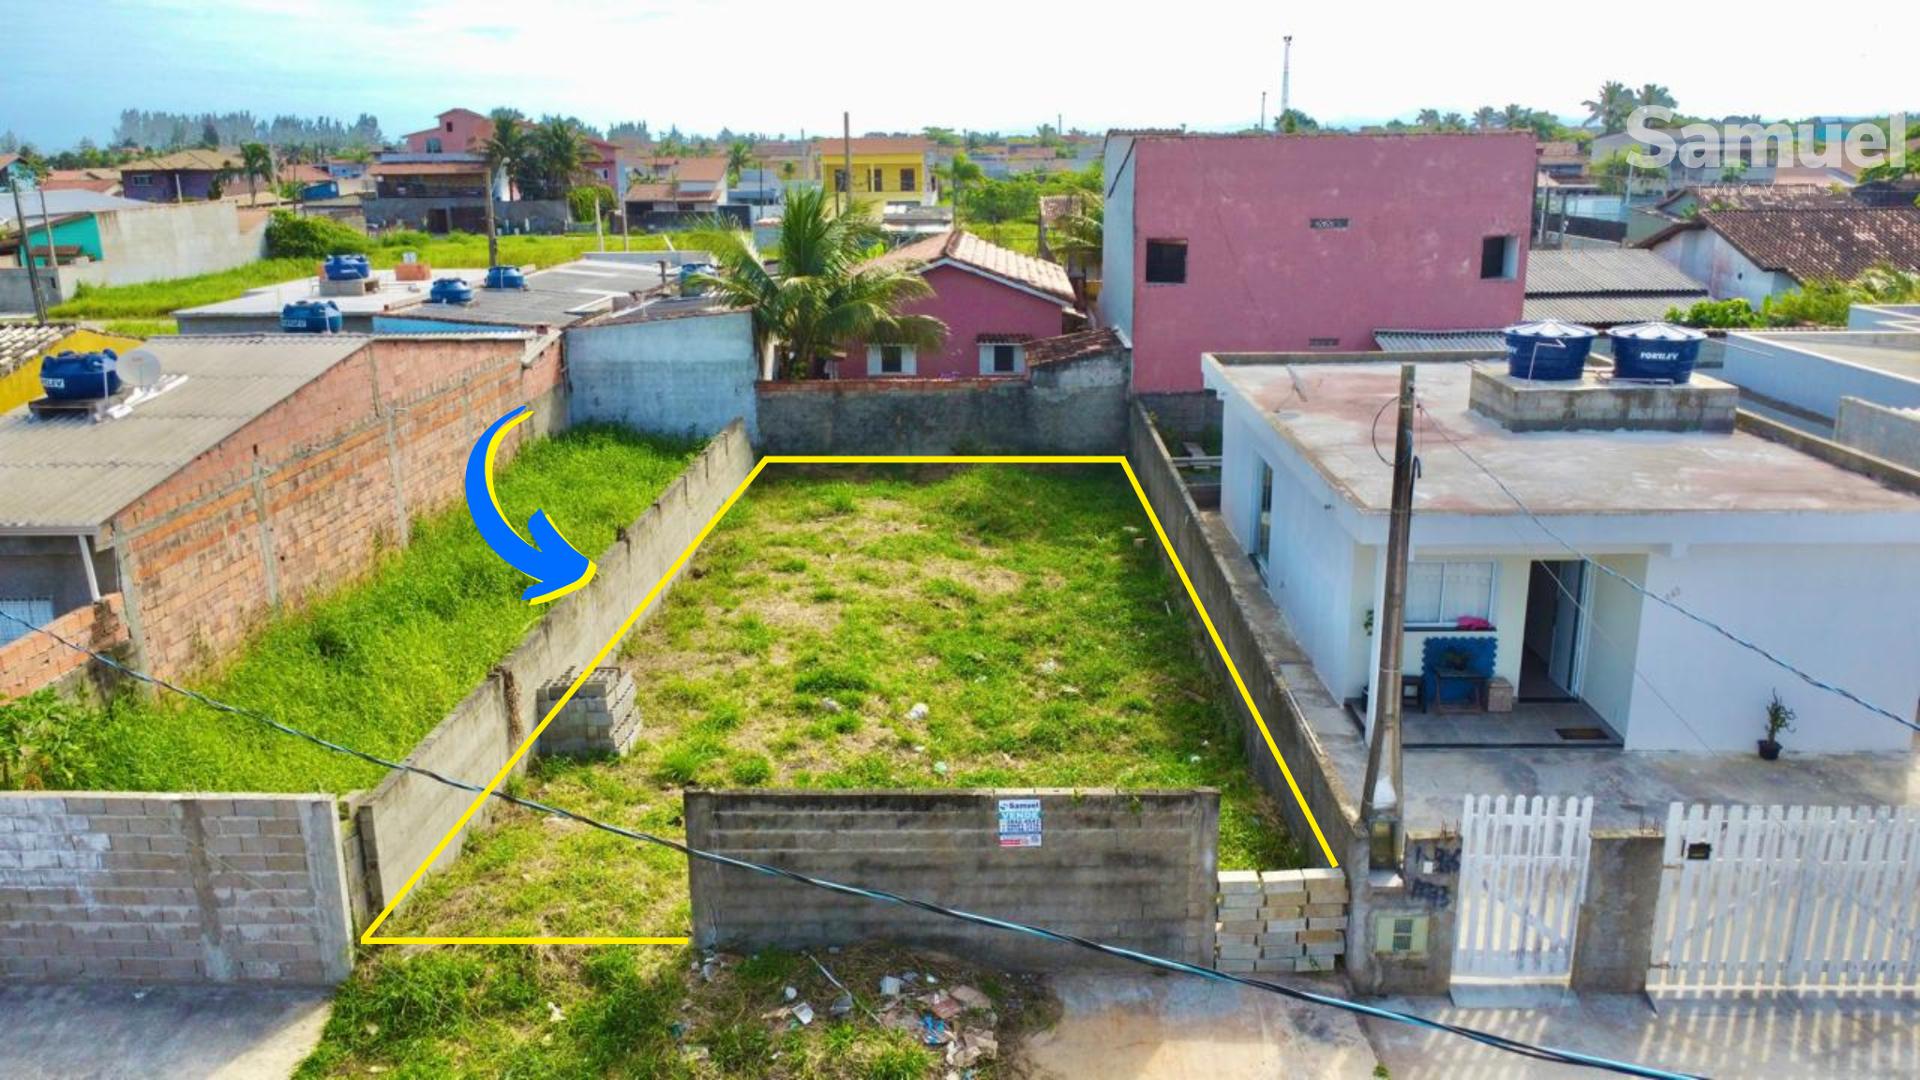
point(1327, 413)
point(965, 249)
point(1605, 287)
point(1892, 352)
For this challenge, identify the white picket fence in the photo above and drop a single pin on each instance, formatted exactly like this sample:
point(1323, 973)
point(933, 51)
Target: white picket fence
point(1788, 899)
point(1523, 876)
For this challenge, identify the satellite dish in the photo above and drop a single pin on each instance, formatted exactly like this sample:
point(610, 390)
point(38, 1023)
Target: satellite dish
point(141, 368)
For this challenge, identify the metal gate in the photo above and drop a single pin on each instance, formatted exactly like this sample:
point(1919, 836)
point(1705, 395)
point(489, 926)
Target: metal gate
point(1788, 898)
point(1523, 876)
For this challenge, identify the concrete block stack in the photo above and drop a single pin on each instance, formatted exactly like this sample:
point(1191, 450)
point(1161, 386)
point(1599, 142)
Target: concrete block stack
point(599, 719)
point(1275, 921)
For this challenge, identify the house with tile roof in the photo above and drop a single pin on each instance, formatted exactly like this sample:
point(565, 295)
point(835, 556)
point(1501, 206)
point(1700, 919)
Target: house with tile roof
point(1602, 287)
point(180, 176)
point(994, 301)
point(884, 169)
point(672, 192)
point(1754, 254)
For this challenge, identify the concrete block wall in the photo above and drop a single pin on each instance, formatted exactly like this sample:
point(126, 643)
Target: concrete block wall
point(36, 660)
point(1134, 869)
point(599, 719)
point(158, 888)
point(306, 495)
point(1280, 921)
point(1068, 407)
point(680, 376)
point(1871, 428)
point(397, 824)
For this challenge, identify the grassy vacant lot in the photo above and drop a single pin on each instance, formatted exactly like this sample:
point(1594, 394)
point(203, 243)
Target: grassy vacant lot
point(378, 663)
point(156, 299)
point(1025, 608)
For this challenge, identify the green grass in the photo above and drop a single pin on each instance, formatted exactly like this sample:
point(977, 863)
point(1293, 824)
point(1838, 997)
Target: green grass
point(1026, 608)
point(378, 663)
point(1021, 236)
point(155, 299)
point(140, 328)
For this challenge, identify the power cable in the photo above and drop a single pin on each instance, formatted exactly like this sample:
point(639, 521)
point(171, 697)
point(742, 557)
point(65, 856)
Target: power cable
point(1498, 1042)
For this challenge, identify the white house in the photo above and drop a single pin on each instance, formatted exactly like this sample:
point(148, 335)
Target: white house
point(1817, 564)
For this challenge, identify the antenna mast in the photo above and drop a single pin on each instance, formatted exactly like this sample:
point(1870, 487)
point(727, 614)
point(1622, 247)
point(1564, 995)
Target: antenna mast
point(1286, 75)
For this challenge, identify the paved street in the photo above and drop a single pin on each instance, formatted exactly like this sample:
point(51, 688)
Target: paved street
point(156, 1033)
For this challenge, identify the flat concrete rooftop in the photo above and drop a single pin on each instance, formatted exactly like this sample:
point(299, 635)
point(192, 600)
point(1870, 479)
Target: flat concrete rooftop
point(1892, 352)
point(1328, 412)
point(392, 295)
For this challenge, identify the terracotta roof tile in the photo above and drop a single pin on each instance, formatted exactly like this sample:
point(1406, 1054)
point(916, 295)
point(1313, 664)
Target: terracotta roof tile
point(963, 247)
point(1830, 243)
point(1078, 346)
point(195, 160)
point(1759, 197)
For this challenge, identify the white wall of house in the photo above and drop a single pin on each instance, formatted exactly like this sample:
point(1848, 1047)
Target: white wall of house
point(1791, 368)
point(169, 240)
point(1116, 238)
point(1707, 257)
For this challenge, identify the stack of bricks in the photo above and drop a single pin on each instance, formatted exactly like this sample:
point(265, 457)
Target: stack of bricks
point(599, 719)
point(1273, 921)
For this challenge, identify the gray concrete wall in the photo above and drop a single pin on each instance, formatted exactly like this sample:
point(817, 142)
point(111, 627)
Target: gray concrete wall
point(518, 215)
point(1135, 869)
point(16, 289)
point(398, 823)
point(170, 240)
point(688, 375)
point(1614, 943)
point(1892, 434)
point(172, 888)
point(1197, 415)
point(1069, 407)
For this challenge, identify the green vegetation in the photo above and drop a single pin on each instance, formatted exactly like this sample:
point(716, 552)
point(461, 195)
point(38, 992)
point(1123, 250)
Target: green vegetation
point(140, 328)
point(1025, 608)
point(157, 299)
point(375, 665)
point(1818, 303)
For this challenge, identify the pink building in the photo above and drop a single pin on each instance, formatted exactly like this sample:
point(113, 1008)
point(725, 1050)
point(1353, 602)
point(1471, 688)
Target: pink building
point(1266, 243)
point(458, 132)
point(994, 301)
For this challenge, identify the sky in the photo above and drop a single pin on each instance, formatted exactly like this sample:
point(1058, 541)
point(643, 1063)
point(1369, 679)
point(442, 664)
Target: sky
point(984, 65)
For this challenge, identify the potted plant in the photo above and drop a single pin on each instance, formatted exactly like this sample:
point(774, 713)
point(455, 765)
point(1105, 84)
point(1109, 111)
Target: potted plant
point(1779, 719)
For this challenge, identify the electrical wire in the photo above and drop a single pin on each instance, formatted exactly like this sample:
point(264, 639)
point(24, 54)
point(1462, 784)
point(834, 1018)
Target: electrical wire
point(1759, 650)
point(1485, 1038)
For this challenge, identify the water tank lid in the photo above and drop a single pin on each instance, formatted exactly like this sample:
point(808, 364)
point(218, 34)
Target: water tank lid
point(1656, 331)
point(1550, 328)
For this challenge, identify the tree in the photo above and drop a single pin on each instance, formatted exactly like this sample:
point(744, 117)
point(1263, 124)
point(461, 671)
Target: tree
point(1485, 118)
point(1427, 119)
point(957, 174)
point(256, 165)
point(739, 156)
point(1453, 121)
point(826, 293)
point(1610, 107)
point(209, 136)
point(1079, 235)
point(1654, 94)
point(560, 154)
point(506, 151)
point(1515, 117)
point(1293, 120)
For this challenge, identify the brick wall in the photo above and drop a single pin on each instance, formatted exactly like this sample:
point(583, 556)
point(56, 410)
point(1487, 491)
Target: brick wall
point(36, 660)
point(1131, 869)
point(160, 888)
point(397, 824)
point(1275, 921)
point(305, 496)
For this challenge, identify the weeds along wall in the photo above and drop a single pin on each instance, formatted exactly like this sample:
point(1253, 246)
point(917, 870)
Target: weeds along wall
point(397, 824)
point(1134, 869)
point(307, 494)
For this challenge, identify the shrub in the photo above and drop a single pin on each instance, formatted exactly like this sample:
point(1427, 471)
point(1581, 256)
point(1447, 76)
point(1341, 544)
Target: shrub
point(290, 236)
point(47, 742)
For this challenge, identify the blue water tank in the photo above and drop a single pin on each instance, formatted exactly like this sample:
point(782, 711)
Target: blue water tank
point(1655, 352)
point(505, 277)
point(1550, 351)
point(348, 268)
point(689, 286)
point(73, 376)
point(451, 290)
point(311, 317)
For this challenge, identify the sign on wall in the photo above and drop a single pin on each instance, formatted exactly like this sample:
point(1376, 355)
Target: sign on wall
point(1019, 823)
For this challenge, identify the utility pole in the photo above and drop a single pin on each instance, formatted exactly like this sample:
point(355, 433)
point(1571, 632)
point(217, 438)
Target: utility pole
point(1384, 795)
point(846, 158)
point(1286, 77)
point(53, 257)
point(33, 274)
point(1263, 111)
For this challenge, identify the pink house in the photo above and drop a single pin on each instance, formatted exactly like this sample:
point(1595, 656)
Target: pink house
point(458, 132)
point(1266, 243)
point(993, 300)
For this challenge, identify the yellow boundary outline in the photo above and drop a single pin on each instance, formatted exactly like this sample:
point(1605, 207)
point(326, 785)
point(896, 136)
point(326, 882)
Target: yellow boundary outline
point(369, 936)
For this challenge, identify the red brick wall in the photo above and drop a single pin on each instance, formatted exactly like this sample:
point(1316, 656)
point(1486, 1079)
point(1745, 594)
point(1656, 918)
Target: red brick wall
point(36, 660)
point(321, 481)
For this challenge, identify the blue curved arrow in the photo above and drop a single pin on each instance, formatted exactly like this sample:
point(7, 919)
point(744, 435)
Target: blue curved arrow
point(554, 565)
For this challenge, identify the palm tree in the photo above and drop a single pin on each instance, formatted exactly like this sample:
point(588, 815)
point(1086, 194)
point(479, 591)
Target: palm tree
point(739, 156)
point(506, 150)
point(957, 174)
point(1654, 94)
point(1485, 119)
point(1515, 117)
point(1079, 235)
point(559, 153)
point(256, 164)
point(1453, 121)
point(827, 292)
point(1427, 119)
point(1611, 107)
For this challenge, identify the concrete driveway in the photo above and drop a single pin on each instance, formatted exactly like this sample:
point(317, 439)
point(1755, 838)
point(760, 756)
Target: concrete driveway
point(1175, 1027)
point(117, 1030)
point(1779, 1038)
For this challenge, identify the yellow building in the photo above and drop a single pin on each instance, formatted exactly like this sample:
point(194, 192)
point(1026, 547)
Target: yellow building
point(884, 169)
point(23, 344)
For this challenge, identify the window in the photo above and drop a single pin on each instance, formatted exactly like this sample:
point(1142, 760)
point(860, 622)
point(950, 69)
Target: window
point(449, 125)
point(433, 146)
point(906, 180)
point(1327, 223)
point(876, 179)
point(890, 360)
point(37, 611)
point(1323, 343)
point(139, 180)
point(1263, 516)
point(1441, 593)
point(1499, 258)
point(1002, 358)
point(1166, 262)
